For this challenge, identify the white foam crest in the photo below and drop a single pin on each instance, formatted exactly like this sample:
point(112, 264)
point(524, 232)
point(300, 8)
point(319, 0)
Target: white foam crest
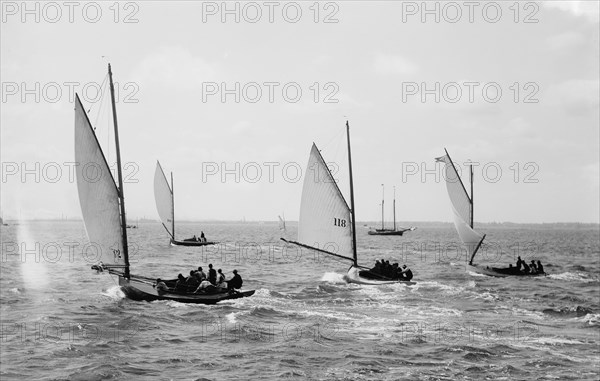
point(557, 340)
point(114, 292)
point(476, 274)
point(14, 290)
point(575, 277)
point(427, 285)
point(591, 319)
point(333, 277)
point(231, 318)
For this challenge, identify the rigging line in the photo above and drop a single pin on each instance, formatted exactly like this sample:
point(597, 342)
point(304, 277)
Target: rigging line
point(101, 102)
point(102, 94)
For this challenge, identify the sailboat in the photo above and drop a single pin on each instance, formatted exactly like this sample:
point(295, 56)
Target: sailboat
point(165, 204)
point(462, 208)
point(282, 223)
point(383, 230)
point(103, 208)
point(327, 224)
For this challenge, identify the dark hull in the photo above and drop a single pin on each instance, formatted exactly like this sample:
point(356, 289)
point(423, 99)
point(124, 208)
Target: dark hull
point(386, 232)
point(501, 272)
point(355, 275)
point(142, 289)
point(191, 243)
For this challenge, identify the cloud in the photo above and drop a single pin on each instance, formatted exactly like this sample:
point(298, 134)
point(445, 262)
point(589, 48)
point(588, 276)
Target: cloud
point(565, 40)
point(175, 67)
point(577, 97)
point(391, 64)
point(588, 9)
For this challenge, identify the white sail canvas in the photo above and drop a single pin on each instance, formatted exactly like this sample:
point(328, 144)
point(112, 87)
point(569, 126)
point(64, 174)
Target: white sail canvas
point(98, 193)
point(324, 214)
point(163, 197)
point(461, 207)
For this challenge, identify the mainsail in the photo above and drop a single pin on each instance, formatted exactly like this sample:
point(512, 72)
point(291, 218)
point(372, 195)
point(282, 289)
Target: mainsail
point(163, 195)
point(98, 193)
point(462, 208)
point(324, 221)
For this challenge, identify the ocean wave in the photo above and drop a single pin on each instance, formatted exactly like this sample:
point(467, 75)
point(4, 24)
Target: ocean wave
point(573, 277)
point(573, 311)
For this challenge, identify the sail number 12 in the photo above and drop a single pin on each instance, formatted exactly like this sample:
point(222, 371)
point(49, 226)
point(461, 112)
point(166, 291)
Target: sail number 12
point(339, 222)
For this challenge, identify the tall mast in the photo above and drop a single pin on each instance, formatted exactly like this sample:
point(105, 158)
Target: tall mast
point(394, 208)
point(382, 201)
point(120, 176)
point(352, 198)
point(471, 171)
point(172, 207)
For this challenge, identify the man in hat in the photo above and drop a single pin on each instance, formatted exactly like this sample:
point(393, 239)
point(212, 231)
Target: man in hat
point(235, 282)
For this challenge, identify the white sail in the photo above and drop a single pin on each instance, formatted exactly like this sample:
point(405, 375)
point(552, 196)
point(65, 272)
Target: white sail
point(98, 193)
point(461, 208)
point(163, 195)
point(324, 214)
point(281, 223)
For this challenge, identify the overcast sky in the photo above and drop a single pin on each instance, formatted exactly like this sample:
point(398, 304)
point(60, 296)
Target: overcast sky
point(517, 91)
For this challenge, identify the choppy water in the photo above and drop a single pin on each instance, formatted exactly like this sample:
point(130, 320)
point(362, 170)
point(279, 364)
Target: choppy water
point(60, 320)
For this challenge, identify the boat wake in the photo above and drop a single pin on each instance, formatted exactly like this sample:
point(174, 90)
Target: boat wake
point(573, 277)
point(114, 293)
point(333, 277)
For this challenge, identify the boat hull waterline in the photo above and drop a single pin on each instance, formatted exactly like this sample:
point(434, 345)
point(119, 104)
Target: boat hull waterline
point(498, 271)
point(353, 276)
point(387, 232)
point(175, 242)
point(144, 290)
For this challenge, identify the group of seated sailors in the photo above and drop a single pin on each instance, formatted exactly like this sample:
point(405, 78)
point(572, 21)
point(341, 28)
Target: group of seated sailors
point(199, 282)
point(202, 238)
point(394, 271)
point(532, 268)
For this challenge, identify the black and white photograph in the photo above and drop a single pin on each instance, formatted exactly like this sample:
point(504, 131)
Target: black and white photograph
point(300, 190)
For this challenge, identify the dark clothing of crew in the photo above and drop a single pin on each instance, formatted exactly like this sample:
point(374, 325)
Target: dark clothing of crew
point(519, 262)
point(212, 276)
point(408, 275)
point(525, 268)
point(235, 282)
point(540, 268)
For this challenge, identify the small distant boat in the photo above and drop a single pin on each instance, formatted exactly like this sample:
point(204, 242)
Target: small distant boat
point(383, 230)
point(462, 208)
point(165, 204)
point(282, 223)
point(327, 225)
point(103, 208)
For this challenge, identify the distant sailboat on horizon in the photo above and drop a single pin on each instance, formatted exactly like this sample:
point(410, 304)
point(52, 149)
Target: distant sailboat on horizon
point(383, 230)
point(282, 223)
point(164, 197)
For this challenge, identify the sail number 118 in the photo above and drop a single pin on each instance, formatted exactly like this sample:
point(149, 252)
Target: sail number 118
point(339, 222)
